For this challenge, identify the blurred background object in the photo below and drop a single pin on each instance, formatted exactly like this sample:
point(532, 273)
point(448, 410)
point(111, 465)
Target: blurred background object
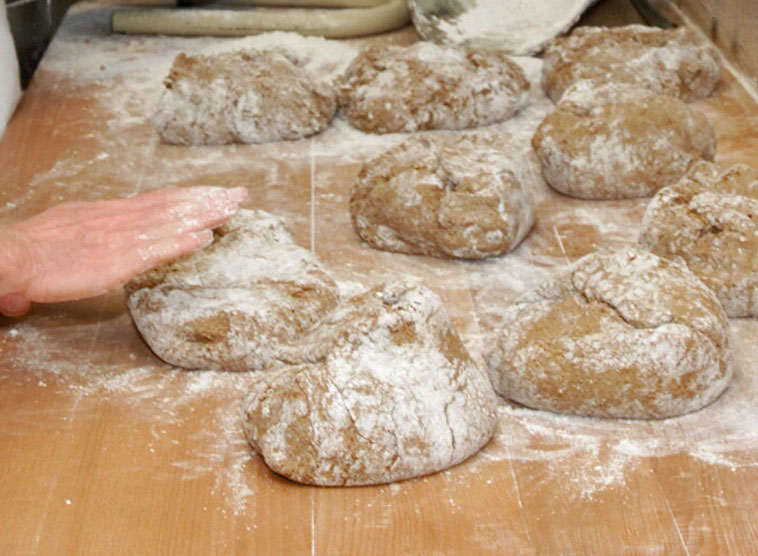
point(32, 24)
point(651, 15)
point(515, 26)
point(10, 89)
point(327, 18)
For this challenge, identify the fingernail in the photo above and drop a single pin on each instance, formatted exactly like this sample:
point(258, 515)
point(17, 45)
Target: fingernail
point(238, 194)
point(221, 205)
point(205, 238)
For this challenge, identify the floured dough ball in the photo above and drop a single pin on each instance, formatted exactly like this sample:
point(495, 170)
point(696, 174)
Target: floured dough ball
point(389, 393)
point(674, 61)
point(246, 96)
point(609, 141)
point(709, 222)
point(460, 199)
point(388, 89)
point(624, 334)
point(232, 305)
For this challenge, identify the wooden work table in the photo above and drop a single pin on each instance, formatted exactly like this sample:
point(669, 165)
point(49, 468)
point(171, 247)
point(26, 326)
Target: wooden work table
point(104, 449)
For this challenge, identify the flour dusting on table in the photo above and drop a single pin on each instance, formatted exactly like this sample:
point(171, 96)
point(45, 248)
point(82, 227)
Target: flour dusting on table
point(120, 152)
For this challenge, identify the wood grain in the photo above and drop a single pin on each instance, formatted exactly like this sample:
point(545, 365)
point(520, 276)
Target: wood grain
point(106, 450)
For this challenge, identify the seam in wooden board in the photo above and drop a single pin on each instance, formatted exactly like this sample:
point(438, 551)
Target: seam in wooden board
point(676, 525)
point(313, 523)
point(70, 426)
point(313, 194)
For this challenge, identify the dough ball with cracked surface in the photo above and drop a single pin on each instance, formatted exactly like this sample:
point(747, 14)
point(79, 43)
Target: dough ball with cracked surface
point(709, 222)
point(610, 141)
point(462, 199)
point(624, 335)
point(390, 89)
point(233, 305)
point(245, 96)
point(388, 392)
point(673, 61)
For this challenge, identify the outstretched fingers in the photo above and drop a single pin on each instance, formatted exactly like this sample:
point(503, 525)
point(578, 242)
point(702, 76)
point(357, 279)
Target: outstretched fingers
point(205, 211)
point(130, 262)
point(183, 209)
point(80, 250)
point(166, 249)
point(196, 215)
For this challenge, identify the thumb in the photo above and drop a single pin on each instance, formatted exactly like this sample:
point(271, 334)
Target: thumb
point(14, 305)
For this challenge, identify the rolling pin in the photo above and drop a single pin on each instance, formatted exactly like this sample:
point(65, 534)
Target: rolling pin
point(364, 17)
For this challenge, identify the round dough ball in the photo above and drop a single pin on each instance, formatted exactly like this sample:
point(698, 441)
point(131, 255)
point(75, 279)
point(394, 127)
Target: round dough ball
point(461, 200)
point(247, 96)
point(673, 61)
point(233, 305)
point(619, 142)
point(390, 393)
point(388, 89)
point(709, 222)
point(624, 334)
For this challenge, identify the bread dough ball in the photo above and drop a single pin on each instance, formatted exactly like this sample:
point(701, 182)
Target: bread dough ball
point(675, 62)
point(232, 305)
point(624, 334)
point(459, 199)
point(619, 142)
point(388, 89)
point(246, 96)
point(709, 222)
point(389, 393)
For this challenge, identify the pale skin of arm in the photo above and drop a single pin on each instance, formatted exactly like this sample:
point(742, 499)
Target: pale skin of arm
point(80, 250)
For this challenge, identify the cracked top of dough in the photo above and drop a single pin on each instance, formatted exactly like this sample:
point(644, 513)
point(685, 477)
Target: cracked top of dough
point(709, 222)
point(389, 89)
point(623, 334)
point(461, 198)
point(670, 61)
point(387, 392)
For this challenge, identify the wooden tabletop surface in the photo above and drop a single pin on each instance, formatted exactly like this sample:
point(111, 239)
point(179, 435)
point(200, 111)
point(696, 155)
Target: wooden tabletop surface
point(104, 449)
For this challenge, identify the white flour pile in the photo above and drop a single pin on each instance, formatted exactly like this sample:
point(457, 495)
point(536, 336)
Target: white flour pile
point(120, 153)
point(516, 26)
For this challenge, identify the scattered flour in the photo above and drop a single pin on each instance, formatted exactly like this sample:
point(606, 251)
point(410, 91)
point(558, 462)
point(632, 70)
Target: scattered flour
point(584, 455)
point(603, 452)
point(122, 76)
point(160, 398)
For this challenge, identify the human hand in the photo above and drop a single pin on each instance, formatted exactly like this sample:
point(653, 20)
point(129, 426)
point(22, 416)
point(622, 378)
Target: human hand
point(78, 250)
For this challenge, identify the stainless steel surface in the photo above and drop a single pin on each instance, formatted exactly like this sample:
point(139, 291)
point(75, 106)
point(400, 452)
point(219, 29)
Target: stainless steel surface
point(32, 24)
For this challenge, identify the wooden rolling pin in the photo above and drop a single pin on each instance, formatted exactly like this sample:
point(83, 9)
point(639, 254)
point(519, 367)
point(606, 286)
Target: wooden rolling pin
point(366, 17)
